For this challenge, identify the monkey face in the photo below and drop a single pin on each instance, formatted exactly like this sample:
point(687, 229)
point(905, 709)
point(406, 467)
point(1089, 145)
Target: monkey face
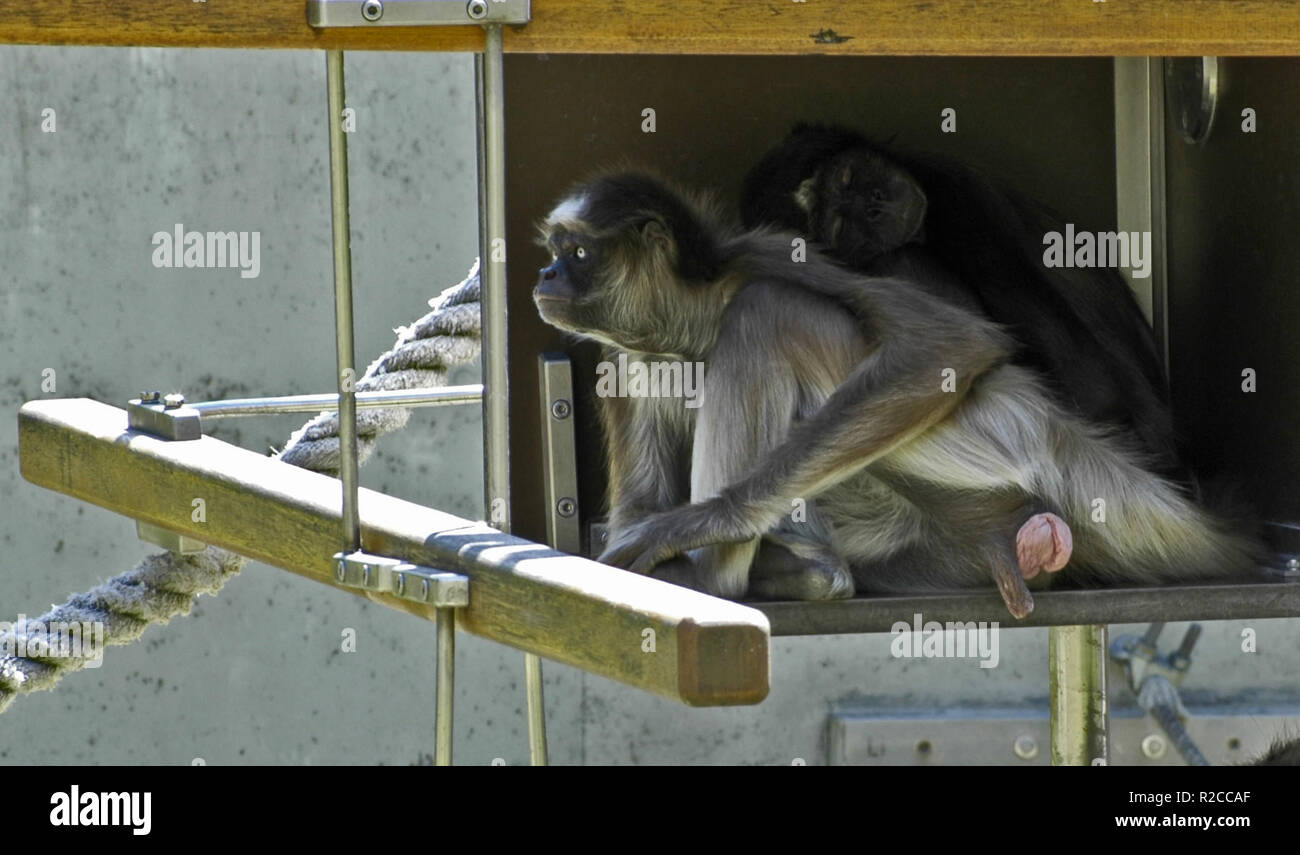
point(861, 205)
point(566, 288)
point(626, 254)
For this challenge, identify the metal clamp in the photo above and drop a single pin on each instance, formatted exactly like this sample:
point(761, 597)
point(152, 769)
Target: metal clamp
point(172, 541)
point(416, 13)
point(414, 582)
point(1155, 678)
point(165, 416)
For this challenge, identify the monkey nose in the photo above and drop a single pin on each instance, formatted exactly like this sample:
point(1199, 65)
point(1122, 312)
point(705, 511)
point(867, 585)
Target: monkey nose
point(548, 273)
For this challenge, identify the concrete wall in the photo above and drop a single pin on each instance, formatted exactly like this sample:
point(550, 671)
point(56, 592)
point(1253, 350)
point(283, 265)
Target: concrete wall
point(236, 140)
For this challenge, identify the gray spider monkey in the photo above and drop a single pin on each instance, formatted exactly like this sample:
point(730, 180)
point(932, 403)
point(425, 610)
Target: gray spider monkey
point(853, 432)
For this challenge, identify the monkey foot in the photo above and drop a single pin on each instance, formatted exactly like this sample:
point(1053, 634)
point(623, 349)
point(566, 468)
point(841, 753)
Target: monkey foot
point(1011, 585)
point(1044, 543)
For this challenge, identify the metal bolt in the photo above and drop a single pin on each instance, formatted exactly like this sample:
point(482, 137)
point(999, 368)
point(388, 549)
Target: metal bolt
point(340, 571)
point(173, 401)
point(1026, 747)
point(150, 397)
point(400, 584)
point(566, 506)
point(425, 591)
point(477, 9)
point(923, 746)
point(1154, 746)
point(561, 408)
point(372, 10)
point(1293, 565)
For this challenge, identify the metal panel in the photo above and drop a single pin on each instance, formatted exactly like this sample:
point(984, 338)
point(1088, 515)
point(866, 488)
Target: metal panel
point(1016, 737)
point(560, 472)
point(1234, 304)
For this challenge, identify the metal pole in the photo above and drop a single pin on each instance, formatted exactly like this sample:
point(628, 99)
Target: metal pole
point(537, 754)
point(492, 210)
point(440, 397)
point(446, 686)
point(1077, 657)
point(343, 302)
point(490, 80)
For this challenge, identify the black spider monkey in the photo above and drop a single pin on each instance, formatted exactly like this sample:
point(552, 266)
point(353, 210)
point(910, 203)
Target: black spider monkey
point(853, 433)
point(948, 227)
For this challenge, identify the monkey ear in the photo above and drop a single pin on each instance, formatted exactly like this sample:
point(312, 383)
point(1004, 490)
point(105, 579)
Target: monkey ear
point(655, 232)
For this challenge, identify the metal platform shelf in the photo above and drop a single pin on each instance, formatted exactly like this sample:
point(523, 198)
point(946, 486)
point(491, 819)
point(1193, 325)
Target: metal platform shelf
point(1051, 608)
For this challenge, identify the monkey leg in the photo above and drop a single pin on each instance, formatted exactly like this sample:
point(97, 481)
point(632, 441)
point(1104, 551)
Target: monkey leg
point(795, 568)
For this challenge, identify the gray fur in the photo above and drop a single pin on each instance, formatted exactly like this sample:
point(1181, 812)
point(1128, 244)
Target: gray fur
point(826, 388)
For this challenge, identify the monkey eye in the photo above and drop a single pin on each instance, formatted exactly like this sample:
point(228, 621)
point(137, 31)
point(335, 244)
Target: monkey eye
point(579, 253)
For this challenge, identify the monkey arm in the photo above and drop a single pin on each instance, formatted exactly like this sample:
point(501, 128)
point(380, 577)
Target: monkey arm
point(647, 442)
point(895, 394)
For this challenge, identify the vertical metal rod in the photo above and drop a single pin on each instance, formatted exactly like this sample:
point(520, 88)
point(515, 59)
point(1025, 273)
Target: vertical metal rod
point(492, 238)
point(446, 691)
point(343, 302)
point(537, 753)
point(1080, 719)
point(490, 86)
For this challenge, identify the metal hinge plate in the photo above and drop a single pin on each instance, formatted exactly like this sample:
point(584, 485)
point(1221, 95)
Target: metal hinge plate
point(416, 13)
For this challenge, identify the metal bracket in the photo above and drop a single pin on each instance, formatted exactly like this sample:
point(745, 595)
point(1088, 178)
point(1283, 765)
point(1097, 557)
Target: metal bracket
point(414, 582)
point(1141, 657)
point(416, 13)
point(165, 416)
point(1154, 679)
point(181, 544)
point(559, 460)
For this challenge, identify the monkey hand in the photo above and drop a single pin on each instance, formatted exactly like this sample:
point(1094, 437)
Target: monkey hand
point(660, 536)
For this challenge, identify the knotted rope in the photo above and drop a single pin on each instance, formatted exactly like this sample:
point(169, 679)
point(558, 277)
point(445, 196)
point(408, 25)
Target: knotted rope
point(36, 653)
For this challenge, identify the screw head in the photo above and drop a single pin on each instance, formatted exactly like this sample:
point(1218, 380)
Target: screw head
point(173, 401)
point(399, 583)
point(340, 571)
point(1026, 747)
point(1154, 746)
point(372, 10)
point(566, 507)
point(1293, 565)
point(561, 409)
point(477, 9)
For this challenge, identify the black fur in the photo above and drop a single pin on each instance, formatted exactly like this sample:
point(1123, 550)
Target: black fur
point(1080, 329)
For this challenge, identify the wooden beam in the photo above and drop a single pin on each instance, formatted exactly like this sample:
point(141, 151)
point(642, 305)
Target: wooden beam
point(836, 27)
point(706, 651)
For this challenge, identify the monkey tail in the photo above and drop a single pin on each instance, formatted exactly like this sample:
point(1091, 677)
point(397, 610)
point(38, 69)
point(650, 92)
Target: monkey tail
point(1131, 525)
